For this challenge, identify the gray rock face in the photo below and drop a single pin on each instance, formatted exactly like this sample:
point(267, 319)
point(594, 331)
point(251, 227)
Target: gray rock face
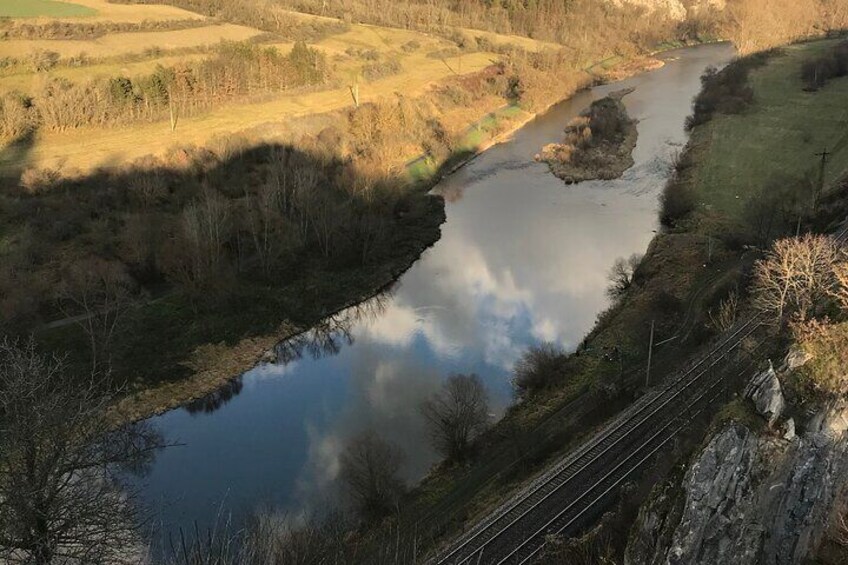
point(796, 358)
point(719, 490)
point(751, 500)
point(789, 429)
point(765, 391)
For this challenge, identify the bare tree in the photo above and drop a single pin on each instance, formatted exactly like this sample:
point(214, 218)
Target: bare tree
point(198, 255)
point(457, 414)
point(621, 275)
point(795, 275)
point(61, 495)
point(97, 294)
point(725, 316)
point(369, 469)
point(266, 224)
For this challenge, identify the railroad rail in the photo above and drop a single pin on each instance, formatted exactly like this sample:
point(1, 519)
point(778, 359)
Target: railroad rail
point(565, 496)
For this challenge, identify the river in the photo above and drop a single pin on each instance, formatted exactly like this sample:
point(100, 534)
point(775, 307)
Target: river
point(523, 259)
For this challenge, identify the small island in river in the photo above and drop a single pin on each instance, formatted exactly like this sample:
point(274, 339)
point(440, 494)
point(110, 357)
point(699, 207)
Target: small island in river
point(598, 144)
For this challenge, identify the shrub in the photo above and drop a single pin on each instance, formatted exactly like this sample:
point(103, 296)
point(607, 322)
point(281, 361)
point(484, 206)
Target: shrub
point(726, 91)
point(410, 46)
point(17, 117)
point(834, 64)
point(43, 60)
point(538, 368)
point(676, 203)
point(827, 344)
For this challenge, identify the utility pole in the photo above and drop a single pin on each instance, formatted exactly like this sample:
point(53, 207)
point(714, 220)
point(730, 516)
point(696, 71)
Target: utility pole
point(824, 155)
point(650, 353)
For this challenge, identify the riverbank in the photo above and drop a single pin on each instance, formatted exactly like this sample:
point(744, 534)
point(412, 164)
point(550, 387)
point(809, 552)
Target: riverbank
point(211, 366)
point(689, 270)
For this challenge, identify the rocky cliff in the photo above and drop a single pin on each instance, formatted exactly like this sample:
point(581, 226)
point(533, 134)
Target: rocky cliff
point(768, 497)
point(675, 9)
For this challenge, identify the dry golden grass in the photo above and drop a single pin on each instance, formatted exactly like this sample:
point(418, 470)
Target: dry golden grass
point(380, 39)
point(499, 40)
point(125, 43)
point(29, 82)
point(87, 148)
point(130, 13)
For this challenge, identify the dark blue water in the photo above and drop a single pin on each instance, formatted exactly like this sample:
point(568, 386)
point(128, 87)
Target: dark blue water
point(522, 259)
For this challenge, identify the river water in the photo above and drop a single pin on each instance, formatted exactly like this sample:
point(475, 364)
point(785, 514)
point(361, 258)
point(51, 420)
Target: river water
point(522, 259)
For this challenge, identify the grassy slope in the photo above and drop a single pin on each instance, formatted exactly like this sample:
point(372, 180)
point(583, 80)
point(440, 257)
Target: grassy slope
point(36, 8)
point(734, 157)
point(780, 136)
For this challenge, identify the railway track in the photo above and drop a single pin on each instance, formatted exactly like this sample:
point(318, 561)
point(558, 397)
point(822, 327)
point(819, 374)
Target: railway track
point(571, 492)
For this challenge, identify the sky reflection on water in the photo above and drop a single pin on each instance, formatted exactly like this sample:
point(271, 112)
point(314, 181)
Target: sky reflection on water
point(522, 259)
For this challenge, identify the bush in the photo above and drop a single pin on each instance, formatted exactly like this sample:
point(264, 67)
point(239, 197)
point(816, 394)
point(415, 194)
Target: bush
point(676, 203)
point(817, 72)
point(538, 368)
point(726, 91)
point(410, 46)
point(827, 344)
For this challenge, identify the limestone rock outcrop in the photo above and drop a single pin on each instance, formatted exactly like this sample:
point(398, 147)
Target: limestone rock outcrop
point(750, 499)
point(766, 393)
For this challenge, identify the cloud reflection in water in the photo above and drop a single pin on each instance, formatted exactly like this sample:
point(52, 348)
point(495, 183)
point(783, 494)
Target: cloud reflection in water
point(522, 259)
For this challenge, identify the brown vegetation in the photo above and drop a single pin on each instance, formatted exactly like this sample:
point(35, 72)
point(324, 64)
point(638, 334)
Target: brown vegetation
point(538, 368)
point(796, 276)
point(760, 25)
point(598, 144)
point(236, 70)
point(827, 344)
point(806, 278)
point(369, 471)
point(260, 14)
point(12, 29)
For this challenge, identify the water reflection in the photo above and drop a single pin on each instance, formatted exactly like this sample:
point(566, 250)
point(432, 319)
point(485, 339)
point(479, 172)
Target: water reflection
point(217, 399)
point(335, 331)
point(522, 259)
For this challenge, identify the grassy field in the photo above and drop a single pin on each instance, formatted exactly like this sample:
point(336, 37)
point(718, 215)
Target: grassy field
point(87, 148)
point(778, 138)
point(91, 11)
point(29, 82)
point(424, 60)
point(125, 43)
point(48, 8)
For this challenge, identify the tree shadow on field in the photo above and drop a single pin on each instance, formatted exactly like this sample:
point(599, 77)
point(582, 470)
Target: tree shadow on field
point(14, 158)
point(229, 243)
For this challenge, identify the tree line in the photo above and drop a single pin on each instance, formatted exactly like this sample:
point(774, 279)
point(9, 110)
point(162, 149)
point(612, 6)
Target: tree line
point(16, 29)
point(235, 70)
point(261, 14)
